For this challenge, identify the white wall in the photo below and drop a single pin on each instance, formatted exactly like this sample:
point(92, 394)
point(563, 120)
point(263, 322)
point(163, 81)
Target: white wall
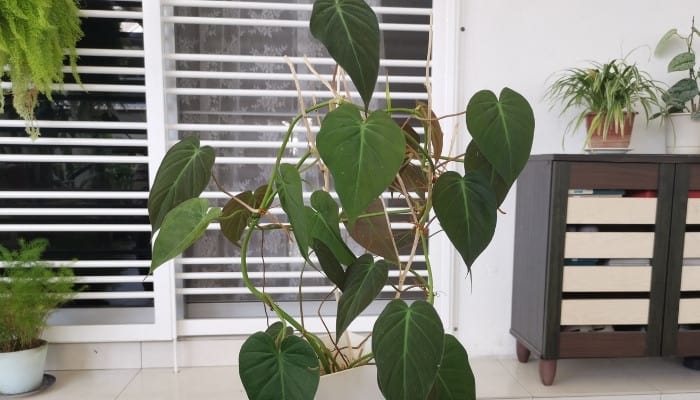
point(520, 44)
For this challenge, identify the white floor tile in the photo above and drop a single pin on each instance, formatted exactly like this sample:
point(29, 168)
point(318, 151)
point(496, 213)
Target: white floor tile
point(681, 396)
point(623, 397)
point(92, 385)
point(210, 383)
point(493, 381)
point(667, 375)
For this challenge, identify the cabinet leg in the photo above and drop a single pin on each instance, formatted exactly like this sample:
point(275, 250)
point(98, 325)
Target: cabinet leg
point(522, 352)
point(548, 370)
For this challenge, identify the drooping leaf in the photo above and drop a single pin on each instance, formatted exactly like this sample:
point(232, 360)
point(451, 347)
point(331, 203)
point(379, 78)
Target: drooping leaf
point(234, 217)
point(414, 180)
point(503, 128)
point(364, 280)
point(374, 233)
point(329, 263)
point(350, 32)
point(466, 208)
point(475, 161)
point(267, 372)
point(292, 202)
point(430, 122)
point(183, 174)
point(362, 155)
point(275, 329)
point(183, 225)
point(661, 46)
point(412, 141)
point(455, 380)
point(324, 225)
point(408, 344)
point(682, 62)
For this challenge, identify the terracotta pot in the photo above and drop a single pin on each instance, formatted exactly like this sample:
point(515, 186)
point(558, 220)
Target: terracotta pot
point(615, 138)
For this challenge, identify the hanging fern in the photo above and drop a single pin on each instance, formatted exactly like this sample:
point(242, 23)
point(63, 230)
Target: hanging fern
point(34, 38)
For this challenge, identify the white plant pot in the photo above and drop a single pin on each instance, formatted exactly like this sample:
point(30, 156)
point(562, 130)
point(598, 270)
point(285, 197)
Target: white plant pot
point(682, 134)
point(22, 371)
point(350, 384)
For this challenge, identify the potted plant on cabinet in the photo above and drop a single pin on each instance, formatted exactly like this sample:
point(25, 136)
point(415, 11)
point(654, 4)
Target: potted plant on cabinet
point(29, 291)
point(366, 153)
point(682, 99)
point(34, 38)
point(605, 97)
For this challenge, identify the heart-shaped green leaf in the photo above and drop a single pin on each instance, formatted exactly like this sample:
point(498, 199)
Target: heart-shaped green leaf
point(466, 208)
point(474, 160)
point(503, 128)
point(329, 263)
point(234, 217)
point(275, 330)
point(663, 42)
point(292, 201)
point(324, 225)
point(374, 233)
point(183, 225)
point(455, 380)
point(267, 372)
point(362, 155)
point(683, 91)
point(682, 62)
point(350, 32)
point(407, 343)
point(364, 280)
point(183, 174)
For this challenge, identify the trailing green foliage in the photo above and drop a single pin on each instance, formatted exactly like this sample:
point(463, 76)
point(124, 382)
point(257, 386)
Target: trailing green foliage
point(365, 153)
point(29, 291)
point(34, 38)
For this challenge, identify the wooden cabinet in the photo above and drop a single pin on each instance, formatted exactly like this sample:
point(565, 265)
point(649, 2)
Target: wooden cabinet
point(607, 257)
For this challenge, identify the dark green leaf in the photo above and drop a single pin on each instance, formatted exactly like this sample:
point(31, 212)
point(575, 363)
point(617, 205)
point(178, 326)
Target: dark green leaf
point(275, 329)
point(475, 161)
point(289, 372)
point(234, 218)
point(455, 380)
point(329, 263)
point(364, 280)
point(466, 208)
point(503, 129)
point(183, 174)
point(292, 201)
point(683, 91)
point(186, 223)
point(363, 156)
point(407, 343)
point(350, 31)
point(682, 62)
point(324, 225)
point(374, 233)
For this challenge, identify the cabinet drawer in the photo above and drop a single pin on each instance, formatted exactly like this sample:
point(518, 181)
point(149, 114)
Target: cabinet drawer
point(693, 214)
point(691, 246)
point(689, 311)
point(605, 312)
point(615, 210)
point(691, 278)
point(609, 245)
point(607, 279)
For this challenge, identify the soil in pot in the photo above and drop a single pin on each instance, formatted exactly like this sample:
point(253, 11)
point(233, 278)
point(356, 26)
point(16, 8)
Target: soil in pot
point(615, 138)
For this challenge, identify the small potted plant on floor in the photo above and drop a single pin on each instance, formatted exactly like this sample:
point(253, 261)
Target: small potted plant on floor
point(30, 290)
point(35, 36)
point(682, 99)
point(606, 97)
point(366, 153)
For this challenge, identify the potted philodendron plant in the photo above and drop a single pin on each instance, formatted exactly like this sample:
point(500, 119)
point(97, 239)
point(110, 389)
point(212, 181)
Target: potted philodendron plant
point(30, 289)
point(605, 97)
point(35, 36)
point(682, 99)
point(366, 153)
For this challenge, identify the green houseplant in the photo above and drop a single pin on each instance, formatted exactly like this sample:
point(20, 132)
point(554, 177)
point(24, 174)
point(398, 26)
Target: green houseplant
point(682, 99)
point(605, 97)
point(34, 38)
point(29, 291)
point(366, 153)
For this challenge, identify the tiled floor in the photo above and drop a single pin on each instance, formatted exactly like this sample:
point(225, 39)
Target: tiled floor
point(497, 379)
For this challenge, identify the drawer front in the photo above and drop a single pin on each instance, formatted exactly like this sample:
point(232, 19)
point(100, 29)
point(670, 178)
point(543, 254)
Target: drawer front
point(691, 245)
point(607, 279)
point(605, 312)
point(609, 245)
point(693, 214)
point(615, 210)
point(690, 281)
point(689, 311)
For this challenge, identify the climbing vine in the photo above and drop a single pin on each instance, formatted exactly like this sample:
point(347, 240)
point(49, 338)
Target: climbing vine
point(35, 38)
